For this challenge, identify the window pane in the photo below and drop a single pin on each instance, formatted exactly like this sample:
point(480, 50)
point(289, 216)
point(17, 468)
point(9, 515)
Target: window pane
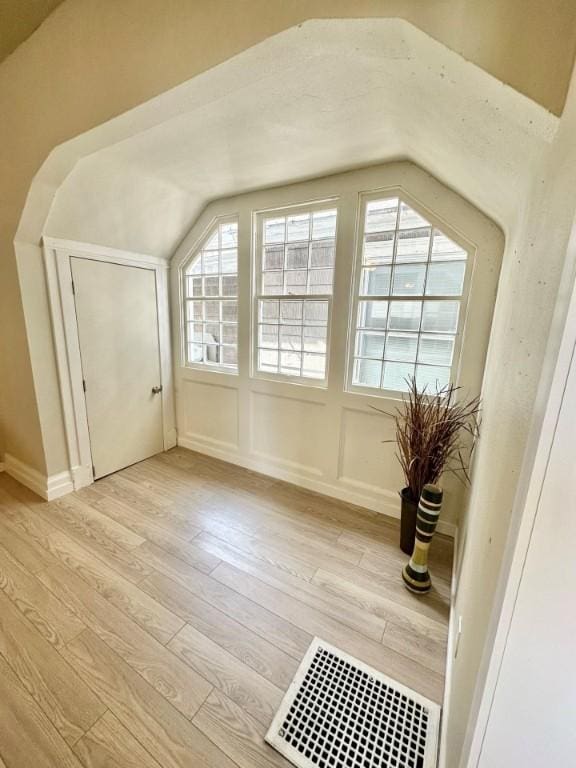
point(314, 338)
point(298, 227)
point(210, 262)
point(268, 360)
point(396, 375)
point(323, 224)
point(290, 363)
point(213, 242)
point(367, 373)
point(320, 281)
point(212, 333)
point(273, 257)
point(375, 281)
point(229, 261)
point(212, 310)
point(273, 283)
point(230, 311)
point(316, 312)
point(372, 314)
point(444, 249)
point(370, 345)
point(229, 355)
point(291, 337)
point(378, 248)
point(211, 286)
point(295, 281)
point(440, 316)
point(195, 353)
point(229, 235)
point(436, 350)
point(401, 347)
point(445, 279)
point(196, 284)
point(274, 230)
point(195, 310)
point(290, 312)
point(410, 219)
point(297, 256)
point(322, 254)
point(269, 311)
point(268, 336)
point(432, 377)
point(195, 268)
point(229, 333)
point(404, 315)
point(408, 280)
point(195, 332)
point(314, 366)
point(413, 245)
point(230, 285)
point(212, 353)
point(381, 215)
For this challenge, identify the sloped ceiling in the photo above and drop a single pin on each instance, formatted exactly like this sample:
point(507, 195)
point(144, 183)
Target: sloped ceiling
point(319, 98)
point(19, 19)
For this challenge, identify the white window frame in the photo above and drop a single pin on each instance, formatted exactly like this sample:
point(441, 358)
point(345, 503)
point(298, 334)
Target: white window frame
point(193, 253)
point(255, 276)
point(355, 298)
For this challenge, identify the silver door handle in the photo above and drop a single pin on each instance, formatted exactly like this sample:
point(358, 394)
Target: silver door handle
point(157, 390)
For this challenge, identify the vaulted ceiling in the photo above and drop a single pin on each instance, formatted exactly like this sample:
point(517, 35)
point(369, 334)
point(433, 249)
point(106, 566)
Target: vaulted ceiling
point(19, 19)
point(294, 107)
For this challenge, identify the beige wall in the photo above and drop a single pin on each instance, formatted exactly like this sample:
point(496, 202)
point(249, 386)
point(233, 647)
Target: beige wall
point(92, 60)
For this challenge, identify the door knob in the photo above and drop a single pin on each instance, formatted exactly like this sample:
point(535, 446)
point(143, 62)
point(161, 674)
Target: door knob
point(157, 390)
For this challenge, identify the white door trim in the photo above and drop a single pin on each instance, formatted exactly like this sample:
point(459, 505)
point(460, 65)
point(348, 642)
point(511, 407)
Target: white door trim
point(57, 254)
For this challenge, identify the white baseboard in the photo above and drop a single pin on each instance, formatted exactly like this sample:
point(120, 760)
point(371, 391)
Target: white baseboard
point(384, 502)
point(450, 657)
point(48, 487)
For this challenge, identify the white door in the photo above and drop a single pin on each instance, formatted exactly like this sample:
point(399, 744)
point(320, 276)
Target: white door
point(117, 318)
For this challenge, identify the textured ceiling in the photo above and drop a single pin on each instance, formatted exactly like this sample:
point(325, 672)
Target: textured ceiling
point(320, 98)
point(19, 19)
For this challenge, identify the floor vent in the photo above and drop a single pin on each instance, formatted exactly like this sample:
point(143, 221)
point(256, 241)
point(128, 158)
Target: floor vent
point(341, 713)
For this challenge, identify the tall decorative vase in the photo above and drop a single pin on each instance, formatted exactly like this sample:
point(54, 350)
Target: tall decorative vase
point(416, 574)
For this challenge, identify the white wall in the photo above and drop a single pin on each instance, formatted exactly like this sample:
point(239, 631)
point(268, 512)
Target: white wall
point(327, 439)
point(531, 720)
point(544, 258)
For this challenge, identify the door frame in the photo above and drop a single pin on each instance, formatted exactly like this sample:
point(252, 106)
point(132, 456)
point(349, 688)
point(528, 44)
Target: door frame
point(57, 254)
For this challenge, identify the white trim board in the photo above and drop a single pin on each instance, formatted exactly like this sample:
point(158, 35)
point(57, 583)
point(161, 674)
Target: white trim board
point(48, 487)
point(57, 254)
point(383, 503)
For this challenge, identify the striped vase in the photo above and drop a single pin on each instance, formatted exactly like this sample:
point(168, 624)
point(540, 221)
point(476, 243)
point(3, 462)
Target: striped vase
point(416, 574)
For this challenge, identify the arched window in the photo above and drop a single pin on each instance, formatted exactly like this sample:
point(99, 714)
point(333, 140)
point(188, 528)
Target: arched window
point(410, 287)
point(211, 300)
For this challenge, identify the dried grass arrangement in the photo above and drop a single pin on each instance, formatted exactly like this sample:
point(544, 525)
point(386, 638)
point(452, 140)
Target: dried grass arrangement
point(435, 433)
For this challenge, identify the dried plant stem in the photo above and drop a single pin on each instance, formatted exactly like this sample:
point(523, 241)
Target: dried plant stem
point(429, 434)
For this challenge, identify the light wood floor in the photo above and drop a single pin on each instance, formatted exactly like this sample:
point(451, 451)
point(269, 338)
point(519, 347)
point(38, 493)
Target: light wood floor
point(155, 618)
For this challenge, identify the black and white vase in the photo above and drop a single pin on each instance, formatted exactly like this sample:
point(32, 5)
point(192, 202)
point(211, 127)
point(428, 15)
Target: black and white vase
point(416, 575)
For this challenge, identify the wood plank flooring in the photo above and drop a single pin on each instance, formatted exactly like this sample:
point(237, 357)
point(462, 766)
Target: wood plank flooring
point(155, 618)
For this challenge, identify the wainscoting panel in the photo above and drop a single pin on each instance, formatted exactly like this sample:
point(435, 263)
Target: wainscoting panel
point(288, 431)
point(210, 414)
